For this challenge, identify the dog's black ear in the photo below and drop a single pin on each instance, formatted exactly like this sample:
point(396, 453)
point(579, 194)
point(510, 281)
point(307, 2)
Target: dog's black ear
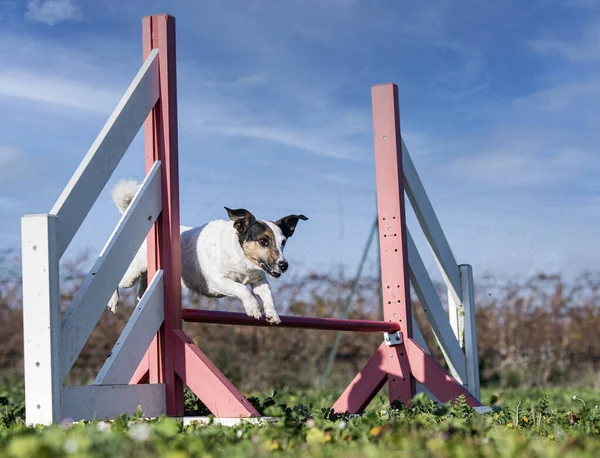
point(241, 218)
point(288, 224)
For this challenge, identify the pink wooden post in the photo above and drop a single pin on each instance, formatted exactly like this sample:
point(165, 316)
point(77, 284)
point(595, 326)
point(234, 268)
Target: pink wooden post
point(160, 132)
point(173, 359)
point(389, 363)
point(399, 364)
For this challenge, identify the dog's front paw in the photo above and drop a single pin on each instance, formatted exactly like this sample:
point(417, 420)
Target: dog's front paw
point(254, 311)
point(273, 318)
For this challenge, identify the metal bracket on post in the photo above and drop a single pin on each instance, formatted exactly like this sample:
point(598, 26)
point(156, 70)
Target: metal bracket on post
point(393, 338)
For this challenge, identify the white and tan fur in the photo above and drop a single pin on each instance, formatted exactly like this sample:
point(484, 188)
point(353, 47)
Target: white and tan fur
point(221, 258)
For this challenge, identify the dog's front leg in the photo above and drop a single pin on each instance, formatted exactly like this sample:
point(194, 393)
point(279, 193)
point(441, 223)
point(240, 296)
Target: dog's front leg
point(233, 289)
point(263, 290)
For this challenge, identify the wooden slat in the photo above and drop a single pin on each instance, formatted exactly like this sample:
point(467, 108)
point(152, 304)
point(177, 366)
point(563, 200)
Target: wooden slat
point(136, 337)
point(470, 327)
point(41, 319)
point(457, 318)
point(161, 143)
point(106, 152)
point(426, 370)
point(435, 312)
point(99, 285)
point(206, 380)
point(110, 401)
point(431, 226)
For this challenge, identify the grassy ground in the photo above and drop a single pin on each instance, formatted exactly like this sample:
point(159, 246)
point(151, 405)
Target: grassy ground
point(532, 423)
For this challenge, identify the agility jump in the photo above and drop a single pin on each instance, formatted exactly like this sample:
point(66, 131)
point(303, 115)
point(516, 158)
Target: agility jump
point(153, 358)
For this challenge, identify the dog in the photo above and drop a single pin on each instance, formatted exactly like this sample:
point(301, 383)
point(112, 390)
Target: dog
point(221, 258)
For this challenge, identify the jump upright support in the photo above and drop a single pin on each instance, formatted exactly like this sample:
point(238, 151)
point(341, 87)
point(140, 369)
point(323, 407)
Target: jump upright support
point(153, 359)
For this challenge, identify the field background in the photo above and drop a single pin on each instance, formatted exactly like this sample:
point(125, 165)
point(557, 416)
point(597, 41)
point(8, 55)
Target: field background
point(538, 353)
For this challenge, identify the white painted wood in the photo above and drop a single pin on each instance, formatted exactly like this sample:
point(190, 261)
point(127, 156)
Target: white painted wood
point(41, 319)
point(136, 337)
point(472, 356)
point(106, 152)
point(99, 402)
point(456, 314)
point(99, 285)
point(435, 312)
point(431, 225)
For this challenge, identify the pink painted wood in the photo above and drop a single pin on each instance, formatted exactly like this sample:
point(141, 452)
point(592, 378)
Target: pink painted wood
point(161, 139)
point(142, 373)
point(393, 256)
point(365, 385)
point(393, 251)
point(432, 375)
point(402, 364)
point(208, 383)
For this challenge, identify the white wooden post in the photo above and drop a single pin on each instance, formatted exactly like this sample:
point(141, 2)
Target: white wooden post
point(456, 314)
point(41, 319)
point(470, 330)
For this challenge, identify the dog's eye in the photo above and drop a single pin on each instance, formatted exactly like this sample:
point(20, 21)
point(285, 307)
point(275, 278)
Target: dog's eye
point(282, 243)
point(263, 242)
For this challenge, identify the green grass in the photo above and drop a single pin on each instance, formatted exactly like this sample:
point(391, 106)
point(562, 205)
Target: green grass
point(532, 423)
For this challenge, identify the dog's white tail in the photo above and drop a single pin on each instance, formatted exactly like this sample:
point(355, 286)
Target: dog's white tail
point(123, 193)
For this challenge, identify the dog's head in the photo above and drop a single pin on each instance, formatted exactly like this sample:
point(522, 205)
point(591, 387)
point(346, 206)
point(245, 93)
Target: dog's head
point(263, 241)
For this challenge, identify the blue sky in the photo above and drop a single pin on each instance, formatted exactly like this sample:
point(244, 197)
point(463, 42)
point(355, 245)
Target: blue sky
point(499, 107)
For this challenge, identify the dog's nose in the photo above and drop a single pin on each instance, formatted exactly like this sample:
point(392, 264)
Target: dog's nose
point(283, 265)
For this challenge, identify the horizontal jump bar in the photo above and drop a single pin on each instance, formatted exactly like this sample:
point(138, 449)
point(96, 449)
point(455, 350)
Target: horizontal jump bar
point(302, 322)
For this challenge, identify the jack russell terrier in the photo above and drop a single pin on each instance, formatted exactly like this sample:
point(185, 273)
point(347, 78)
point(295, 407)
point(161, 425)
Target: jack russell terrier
point(221, 258)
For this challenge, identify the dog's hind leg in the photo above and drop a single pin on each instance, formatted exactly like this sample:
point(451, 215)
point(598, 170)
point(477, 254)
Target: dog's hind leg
point(136, 271)
point(142, 287)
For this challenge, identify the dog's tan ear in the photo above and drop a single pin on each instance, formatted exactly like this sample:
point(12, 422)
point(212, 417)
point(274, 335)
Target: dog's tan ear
point(241, 218)
point(288, 224)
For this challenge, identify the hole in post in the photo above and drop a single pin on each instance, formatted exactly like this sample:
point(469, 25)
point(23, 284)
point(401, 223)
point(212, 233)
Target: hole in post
point(39, 406)
point(37, 364)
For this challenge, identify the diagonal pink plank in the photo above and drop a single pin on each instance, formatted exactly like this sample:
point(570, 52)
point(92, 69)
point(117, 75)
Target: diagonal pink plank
point(208, 383)
point(429, 372)
point(365, 385)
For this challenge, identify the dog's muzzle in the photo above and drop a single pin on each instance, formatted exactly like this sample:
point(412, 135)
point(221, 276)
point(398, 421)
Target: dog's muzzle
point(282, 266)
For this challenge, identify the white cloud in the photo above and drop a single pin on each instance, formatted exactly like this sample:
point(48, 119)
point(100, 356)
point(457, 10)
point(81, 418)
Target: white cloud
point(310, 140)
point(57, 91)
point(52, 12)
point(15, 166)
point(585, 49)
point(518, 165)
